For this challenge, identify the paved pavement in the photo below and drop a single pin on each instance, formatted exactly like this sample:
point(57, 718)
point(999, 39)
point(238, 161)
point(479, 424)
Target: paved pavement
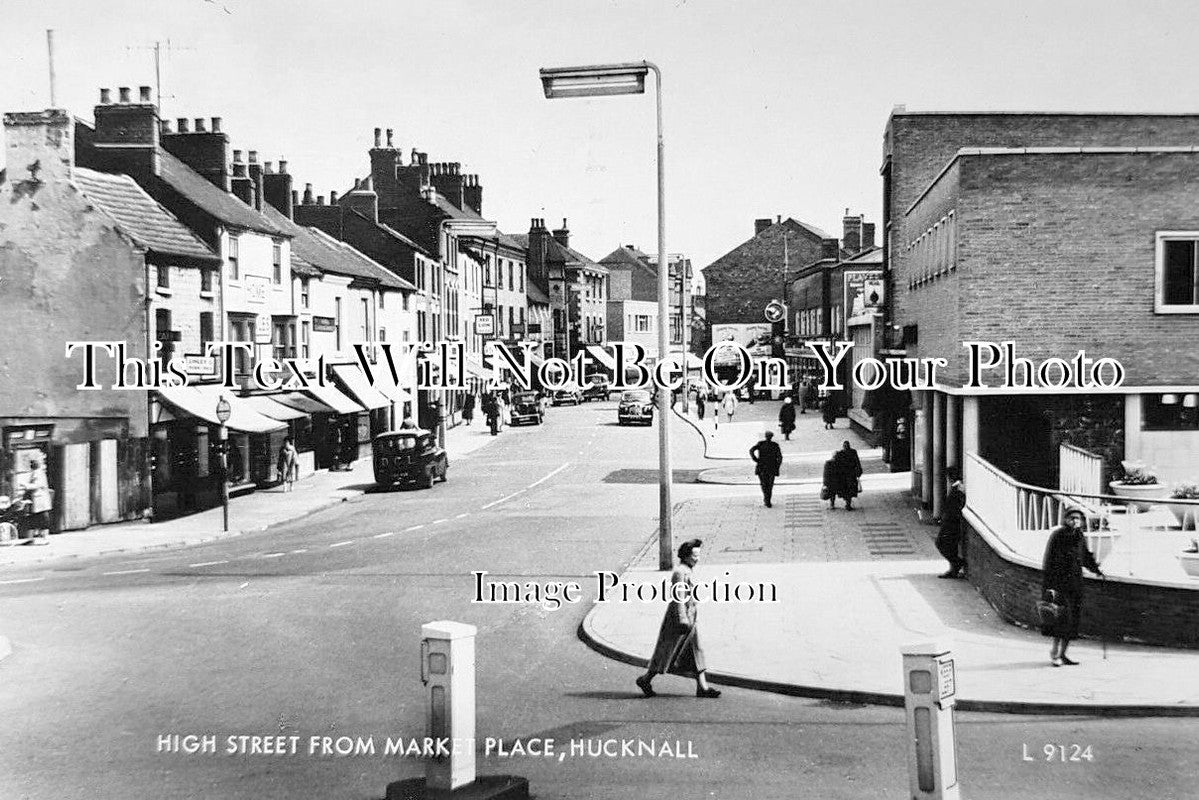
point(253, 512)
point(852, 588)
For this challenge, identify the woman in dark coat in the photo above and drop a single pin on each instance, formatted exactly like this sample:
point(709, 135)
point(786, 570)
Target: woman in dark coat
point(787, 418)
point(1066, 555)
point(678, 650)
point(841, 473)
point(468, 408)
point(699, 404)
point(828, 410)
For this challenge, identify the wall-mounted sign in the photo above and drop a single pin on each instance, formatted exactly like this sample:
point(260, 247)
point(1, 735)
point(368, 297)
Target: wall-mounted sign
point(262, 329)
point(775, 311)
point(324, 324)
point(199, 366)
point(863, 292)
point(256, 288)
point(485, 325)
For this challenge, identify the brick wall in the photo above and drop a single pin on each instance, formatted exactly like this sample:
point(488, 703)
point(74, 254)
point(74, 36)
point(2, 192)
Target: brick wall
point(1111, 610)
point(742, 282)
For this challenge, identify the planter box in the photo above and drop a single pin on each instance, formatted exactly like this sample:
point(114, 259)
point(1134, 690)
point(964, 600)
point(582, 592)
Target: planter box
point(1148, 491)
point(1190, 563)
point(1101, 544)
point(1187, 513)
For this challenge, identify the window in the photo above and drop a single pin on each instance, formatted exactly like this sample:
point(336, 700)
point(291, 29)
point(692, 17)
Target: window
point(511, 269)
point(277, 263)
point(162, 332)
point(1177, 273)
point(382, 334)
point(284, 340)
point(1170, 412)
point(305, 286)
point(234, 252)
point(205, 280)
point(164, 276)
point(305, 334)
point(522, 277)
point(337, 323)
point(641, 323)
point(381, 294)
point(404, 300)
point(511, 317)
point(365, 329)
point(205, 331)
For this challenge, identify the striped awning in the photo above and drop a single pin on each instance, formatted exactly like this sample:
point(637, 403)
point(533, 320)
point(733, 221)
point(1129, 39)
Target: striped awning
point(201, 402)
point(351, 378)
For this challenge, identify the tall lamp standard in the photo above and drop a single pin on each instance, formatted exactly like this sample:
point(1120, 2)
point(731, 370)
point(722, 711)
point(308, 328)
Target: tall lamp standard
point(608, 79)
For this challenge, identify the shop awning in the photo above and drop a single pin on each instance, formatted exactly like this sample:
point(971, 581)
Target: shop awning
point(397, 394)
point(201, 402)
point(351, 377)
point(334, 399)
point(601, 355)
point(268, 406)
point(302, 402)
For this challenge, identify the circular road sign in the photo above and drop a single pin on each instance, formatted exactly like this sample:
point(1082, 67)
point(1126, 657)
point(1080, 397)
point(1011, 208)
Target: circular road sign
point(223, 410)
point(775, 311)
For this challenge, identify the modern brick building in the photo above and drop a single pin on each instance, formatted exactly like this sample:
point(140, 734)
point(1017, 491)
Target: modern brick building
point(1059, 233)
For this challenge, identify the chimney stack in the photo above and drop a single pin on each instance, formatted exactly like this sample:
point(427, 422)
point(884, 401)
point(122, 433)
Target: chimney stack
point(389, 139)
point(164, 126)
point(562, 235)
point(867, 235)
point(277, 191)
point(126, 137)
point(851, 232)
point(205, 149)
point(761, 225)
point(40, 146)
point(472, 194)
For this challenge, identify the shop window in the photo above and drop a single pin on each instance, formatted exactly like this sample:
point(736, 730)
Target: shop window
point(1170, 412)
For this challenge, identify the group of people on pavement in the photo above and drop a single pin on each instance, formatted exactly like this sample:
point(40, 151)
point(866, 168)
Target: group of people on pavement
point(28, 517)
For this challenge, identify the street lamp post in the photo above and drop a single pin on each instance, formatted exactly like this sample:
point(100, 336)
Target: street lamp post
point(223, 411)
point(611, 79)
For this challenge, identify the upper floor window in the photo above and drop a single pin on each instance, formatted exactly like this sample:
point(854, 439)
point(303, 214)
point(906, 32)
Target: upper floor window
point(164, 276)
point(277, 263)
point(1177, 278)
point(234, 269)
point(522, 277)
point(205, 280)
point(305, 286)
point(511, 269)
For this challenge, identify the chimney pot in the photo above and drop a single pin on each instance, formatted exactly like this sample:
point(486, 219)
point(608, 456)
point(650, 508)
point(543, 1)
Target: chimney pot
point(181, 124)
point(253, 156)
point(199, 124)
point(268, 167)
point(282, 167)
point(236, 156)
point(389, 139)
point(164, 126)
point(332, 198)
point(105, 96)
point(307, 194)
point(123, 93)
point(295, 197)
point(378, 137)
point(778, 220)
point(216, 125)
point(320, 199)
point(143, 93)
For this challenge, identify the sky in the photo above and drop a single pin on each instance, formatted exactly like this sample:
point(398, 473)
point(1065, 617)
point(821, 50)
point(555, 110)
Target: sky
point(770, 108)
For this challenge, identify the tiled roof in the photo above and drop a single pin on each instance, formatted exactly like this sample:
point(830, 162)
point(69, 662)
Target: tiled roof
point(625, 255)
point(521, 239)
point(452, 211)
point(570, 255)
point(873, 256)
point(535, 295)
point(301, 267)
point(514, 241)
point(139, 216)
point(220, 204)
point(393, 233)
point(331, 255)
point(809, 228)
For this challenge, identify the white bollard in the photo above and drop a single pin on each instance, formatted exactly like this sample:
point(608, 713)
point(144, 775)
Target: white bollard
point(928, 695)
point(448, 672)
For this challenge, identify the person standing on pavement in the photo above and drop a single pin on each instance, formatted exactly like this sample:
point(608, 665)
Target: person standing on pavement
point(699, 404)
point(787, 418)
point(468, 408)
point(841, 474)
point(728, 405)
point(37, 492)
point(828, 410)
point(949, 538)
point(1066, 555)
point(769, 459)
point(288, 464)
point(678, 651)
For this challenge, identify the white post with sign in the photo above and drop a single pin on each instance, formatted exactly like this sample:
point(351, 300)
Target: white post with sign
point(929, 687)
point(447, 669)
point(223, 411)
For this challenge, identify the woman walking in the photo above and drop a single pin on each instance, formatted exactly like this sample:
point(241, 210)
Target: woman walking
point(288, 464)
point(841, 473)
point(729, 405)
point(678, 651)
point(468, 408)
point(699, 404)
point(37, 492)
point(1066, 555)
point(828, 410)
point(787, 418)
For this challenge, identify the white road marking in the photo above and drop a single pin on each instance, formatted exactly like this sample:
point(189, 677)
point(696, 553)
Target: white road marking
point(439, 521)
point(301, 550)
point(274, 555)
point(385, 535)
point(463, 514)
point(207, 563)
point(414, 528)
point(23, 580)
point(342, 544)
point(126, 571)
point(552, 474)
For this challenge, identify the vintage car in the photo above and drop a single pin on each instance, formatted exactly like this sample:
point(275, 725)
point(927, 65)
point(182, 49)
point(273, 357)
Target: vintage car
point(598, 387)
point(409, 456)
point(526, 407)
point(561, 397)
point(636, 405)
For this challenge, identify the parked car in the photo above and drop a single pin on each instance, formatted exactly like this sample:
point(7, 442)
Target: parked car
point(598, 388)
point(561, 397)
point(636, 405)
point(526, 407)
point(409, 456)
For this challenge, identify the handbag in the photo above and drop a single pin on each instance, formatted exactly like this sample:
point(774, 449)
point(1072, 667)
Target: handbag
point(1049, 611)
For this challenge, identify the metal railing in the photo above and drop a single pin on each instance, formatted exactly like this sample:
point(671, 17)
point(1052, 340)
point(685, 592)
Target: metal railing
point(1079, 471)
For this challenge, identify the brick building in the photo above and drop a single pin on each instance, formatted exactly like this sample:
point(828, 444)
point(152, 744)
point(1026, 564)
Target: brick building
point(576, 286)
point(1058, 232)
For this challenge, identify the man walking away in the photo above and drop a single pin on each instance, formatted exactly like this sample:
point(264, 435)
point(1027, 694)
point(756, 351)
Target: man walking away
point(769, 459)
point(787, 418)
point(949, 539)
point(841, 474)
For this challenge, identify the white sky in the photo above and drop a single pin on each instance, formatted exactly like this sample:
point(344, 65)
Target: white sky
point(771, 107)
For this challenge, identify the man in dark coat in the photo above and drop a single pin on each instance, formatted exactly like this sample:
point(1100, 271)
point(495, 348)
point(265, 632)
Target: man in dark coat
point(787, 418)
point(828, 410)
point(841, 473)
point(769, 459)
point(949, 538)
point(1066, 555)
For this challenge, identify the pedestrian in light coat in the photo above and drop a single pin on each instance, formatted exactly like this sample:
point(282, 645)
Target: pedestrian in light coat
point(288, 464)
point(678, 650)
point(728, 405)
point(37, 491)
point(1066, 555)
point(768, 457)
